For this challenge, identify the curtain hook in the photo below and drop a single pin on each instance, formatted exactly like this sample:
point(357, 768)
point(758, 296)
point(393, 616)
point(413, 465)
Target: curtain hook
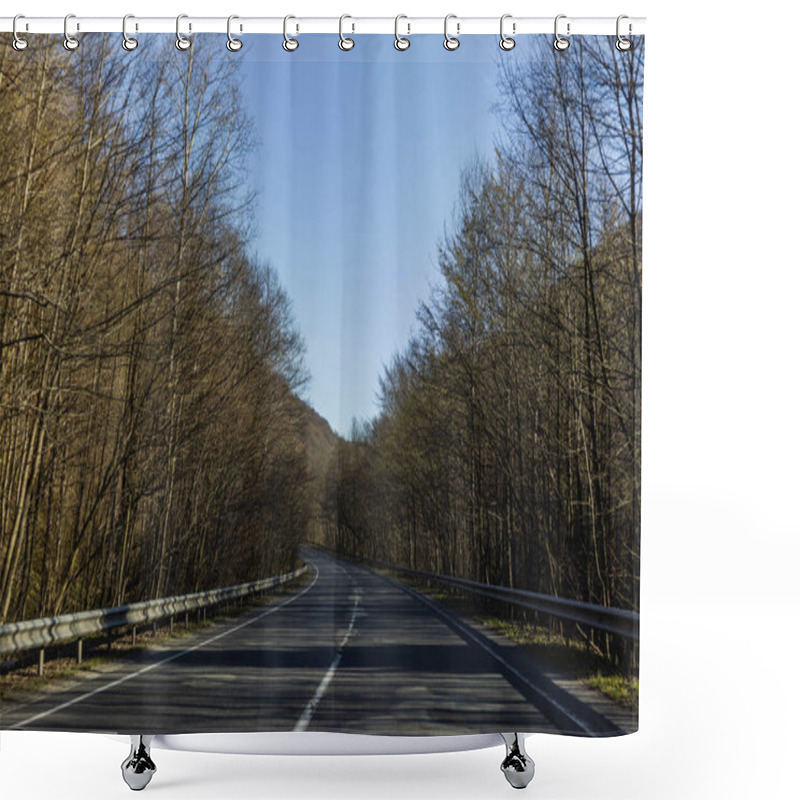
point(181, 41)
point(451, 42)
point(345, 43)
point(70, 42)
point(560, 42)
point(506, 42)
point(623, 44)
point(128, 42)
point(233, 44)
point(289, 44)
point(401, 42)
point(19, 43)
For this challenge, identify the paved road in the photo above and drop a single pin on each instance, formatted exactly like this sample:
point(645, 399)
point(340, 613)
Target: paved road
point(351, 651)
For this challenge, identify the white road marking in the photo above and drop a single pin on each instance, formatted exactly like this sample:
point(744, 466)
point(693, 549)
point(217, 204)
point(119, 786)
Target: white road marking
point(150, 667)
point(513, 670)
point(311, 707)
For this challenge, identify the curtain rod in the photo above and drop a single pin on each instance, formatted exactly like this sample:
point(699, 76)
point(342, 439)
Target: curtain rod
point(513, 26)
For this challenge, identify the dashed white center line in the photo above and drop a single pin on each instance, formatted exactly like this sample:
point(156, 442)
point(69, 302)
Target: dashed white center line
point(311, 707)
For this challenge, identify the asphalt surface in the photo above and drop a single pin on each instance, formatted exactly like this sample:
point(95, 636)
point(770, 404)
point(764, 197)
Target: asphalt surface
point(351, 651)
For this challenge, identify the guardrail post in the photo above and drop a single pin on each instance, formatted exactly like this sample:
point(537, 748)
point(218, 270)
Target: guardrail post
point(171, 624)
point(98, 626)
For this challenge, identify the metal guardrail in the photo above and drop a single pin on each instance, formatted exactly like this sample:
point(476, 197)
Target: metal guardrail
point(16, 637)
point(603, 618)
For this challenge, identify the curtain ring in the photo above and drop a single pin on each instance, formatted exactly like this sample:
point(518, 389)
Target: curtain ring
point(128, 42)
point(560, 42)
point(506, 42)
point(345, 43)
point(289, 44)
point(623, 44)
point(233, 44)
point(400, 42)
point(70, 42)
point(181, 41)
point(19, 43)
point(451, 42)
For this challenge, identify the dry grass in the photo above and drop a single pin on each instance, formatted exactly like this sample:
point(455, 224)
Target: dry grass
point(572, 656)
point(623, 691)
point(550, 648)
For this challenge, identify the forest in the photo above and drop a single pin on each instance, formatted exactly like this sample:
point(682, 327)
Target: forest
point(152, 436)
point(150, 431)
point(507, 448)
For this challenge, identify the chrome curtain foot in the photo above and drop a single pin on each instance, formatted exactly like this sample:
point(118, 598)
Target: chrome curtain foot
point(138, 768)
point(517, 766)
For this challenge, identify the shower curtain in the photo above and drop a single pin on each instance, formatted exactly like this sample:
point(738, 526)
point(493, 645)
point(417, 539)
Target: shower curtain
point(321, 385)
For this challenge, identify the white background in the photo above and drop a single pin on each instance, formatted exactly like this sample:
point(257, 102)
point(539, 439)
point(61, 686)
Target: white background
point(720, 603)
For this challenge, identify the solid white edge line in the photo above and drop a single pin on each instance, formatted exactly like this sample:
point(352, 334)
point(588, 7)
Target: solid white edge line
point(579, 722)
point(150, 667)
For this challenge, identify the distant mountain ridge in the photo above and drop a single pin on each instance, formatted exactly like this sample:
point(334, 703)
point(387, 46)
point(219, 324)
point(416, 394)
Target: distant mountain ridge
point(318, 436)
point(320, 442)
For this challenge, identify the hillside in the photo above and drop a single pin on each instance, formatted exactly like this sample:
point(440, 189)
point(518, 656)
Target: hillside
point(320, 443)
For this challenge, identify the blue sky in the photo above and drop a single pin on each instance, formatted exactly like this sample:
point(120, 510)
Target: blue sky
point(357, 172)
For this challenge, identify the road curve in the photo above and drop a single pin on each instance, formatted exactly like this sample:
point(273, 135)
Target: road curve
point(352, 651)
